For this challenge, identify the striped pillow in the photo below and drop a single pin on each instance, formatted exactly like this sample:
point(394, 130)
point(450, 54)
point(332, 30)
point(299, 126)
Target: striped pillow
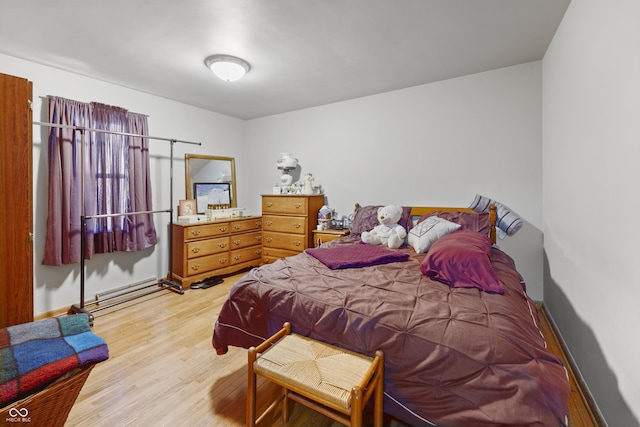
point(481, 203)
point(507, 221)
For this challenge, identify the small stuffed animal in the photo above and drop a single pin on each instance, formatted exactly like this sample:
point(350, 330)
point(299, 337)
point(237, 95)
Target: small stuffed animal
point(388, 232)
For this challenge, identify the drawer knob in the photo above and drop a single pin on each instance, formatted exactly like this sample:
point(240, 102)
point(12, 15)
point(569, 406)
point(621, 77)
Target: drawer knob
point(223, 244)
point(297, 205)
point(258, 223)
point(237, 226)
point(195, 267)
point(237, 242)
point(195, 232)
point(223, 229)
point(195, 250)
point(296, 225)
point(258, 238)
point(258, 251)
point(269, 240)
point(222, 260)
point(297, 243)
point(237, 257)
point(269, 204)
point(269, 223)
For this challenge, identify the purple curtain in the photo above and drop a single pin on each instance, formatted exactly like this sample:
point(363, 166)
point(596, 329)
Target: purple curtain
point(116, 180)
point(143, 232)
point(62, 244)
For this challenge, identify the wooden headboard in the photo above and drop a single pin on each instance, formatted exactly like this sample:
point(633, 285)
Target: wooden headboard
point(423, 210)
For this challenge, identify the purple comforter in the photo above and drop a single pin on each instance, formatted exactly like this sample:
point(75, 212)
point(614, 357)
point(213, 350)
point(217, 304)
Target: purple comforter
point(453, 357)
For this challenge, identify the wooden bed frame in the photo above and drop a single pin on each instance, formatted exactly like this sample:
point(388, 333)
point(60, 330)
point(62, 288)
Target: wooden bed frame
point(418, 211)
point(423, 210)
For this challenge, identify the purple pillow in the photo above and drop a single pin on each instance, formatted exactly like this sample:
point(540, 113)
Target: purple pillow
point(477, 221)
point(366, 218)
point(461, 260)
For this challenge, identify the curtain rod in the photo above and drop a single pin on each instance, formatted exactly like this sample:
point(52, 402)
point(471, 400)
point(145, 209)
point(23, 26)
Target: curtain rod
point(126, 214)
point(82, 129)
point(47, 97)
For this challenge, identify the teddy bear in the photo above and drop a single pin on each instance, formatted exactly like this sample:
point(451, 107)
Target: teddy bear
point(388, 232)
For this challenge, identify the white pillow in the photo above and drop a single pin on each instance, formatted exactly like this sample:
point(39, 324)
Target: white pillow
point(423, 235)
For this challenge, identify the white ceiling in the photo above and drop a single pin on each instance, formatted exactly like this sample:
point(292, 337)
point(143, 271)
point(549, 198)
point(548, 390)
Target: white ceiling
point(303, 53)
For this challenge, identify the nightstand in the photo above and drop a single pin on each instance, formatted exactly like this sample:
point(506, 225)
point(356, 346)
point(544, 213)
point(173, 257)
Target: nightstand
point(324, 236)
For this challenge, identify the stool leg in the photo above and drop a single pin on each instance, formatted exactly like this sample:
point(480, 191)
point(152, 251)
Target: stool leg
point(252, 355)
point(251, 389)
point(378, 402)
point(286, 405)
point(356, 407)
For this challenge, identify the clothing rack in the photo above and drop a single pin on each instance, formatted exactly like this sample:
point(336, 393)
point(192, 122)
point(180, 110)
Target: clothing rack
point(167, 283)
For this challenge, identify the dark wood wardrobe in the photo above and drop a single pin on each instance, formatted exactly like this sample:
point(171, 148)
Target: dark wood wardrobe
point(16, 201)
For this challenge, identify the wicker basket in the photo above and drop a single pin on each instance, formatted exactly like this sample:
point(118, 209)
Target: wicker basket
point(50, 406)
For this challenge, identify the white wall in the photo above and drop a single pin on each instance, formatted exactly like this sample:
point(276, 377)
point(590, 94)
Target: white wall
point(591, 148)
point(58, 287)
point(435, 144)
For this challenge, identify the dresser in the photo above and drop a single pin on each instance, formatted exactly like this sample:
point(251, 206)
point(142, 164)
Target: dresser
point(287, 224)
point(215, 248)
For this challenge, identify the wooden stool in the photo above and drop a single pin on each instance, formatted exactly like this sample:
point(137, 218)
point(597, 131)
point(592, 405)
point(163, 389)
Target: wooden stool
point(334, 382)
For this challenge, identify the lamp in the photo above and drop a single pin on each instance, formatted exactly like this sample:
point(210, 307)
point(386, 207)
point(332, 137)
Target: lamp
point(286, 163)
point(226, 67)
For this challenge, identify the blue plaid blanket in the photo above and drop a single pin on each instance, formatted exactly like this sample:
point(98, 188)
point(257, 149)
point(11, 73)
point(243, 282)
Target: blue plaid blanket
point(34, 354)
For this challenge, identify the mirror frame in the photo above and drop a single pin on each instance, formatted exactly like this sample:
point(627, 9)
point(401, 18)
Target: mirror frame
point(187, 174)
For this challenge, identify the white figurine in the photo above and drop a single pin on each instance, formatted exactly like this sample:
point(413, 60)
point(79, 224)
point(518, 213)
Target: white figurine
point(308, 184)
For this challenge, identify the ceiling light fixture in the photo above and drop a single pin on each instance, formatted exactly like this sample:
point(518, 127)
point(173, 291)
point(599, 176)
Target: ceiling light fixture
point(227, 67)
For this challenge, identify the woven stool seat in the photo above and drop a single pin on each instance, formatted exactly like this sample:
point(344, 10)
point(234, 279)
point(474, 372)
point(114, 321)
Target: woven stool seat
point(326, 378)
point(314, 367)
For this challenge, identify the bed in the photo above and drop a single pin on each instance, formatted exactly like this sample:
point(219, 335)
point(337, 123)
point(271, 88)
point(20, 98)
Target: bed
point(461, 338)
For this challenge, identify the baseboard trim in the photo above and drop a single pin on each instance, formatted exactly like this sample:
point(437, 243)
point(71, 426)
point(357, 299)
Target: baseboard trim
point(583, 388)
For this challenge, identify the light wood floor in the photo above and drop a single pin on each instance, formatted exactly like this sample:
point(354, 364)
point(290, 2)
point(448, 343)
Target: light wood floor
point(163, 370)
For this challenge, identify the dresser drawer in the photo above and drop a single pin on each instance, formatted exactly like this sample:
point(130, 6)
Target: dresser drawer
point(207, 263)
point(205, 247)
point(239, 241)
point(246, 225)
point(245, 255)
point(289, 205)
point(292, 242)
point(203, 231)
point(270, 255)
point(285, 224)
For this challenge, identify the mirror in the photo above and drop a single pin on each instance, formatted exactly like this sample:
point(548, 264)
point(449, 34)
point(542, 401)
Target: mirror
point(206, 171)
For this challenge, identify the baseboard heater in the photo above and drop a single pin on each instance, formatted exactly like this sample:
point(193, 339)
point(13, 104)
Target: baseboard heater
point(126, 293)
